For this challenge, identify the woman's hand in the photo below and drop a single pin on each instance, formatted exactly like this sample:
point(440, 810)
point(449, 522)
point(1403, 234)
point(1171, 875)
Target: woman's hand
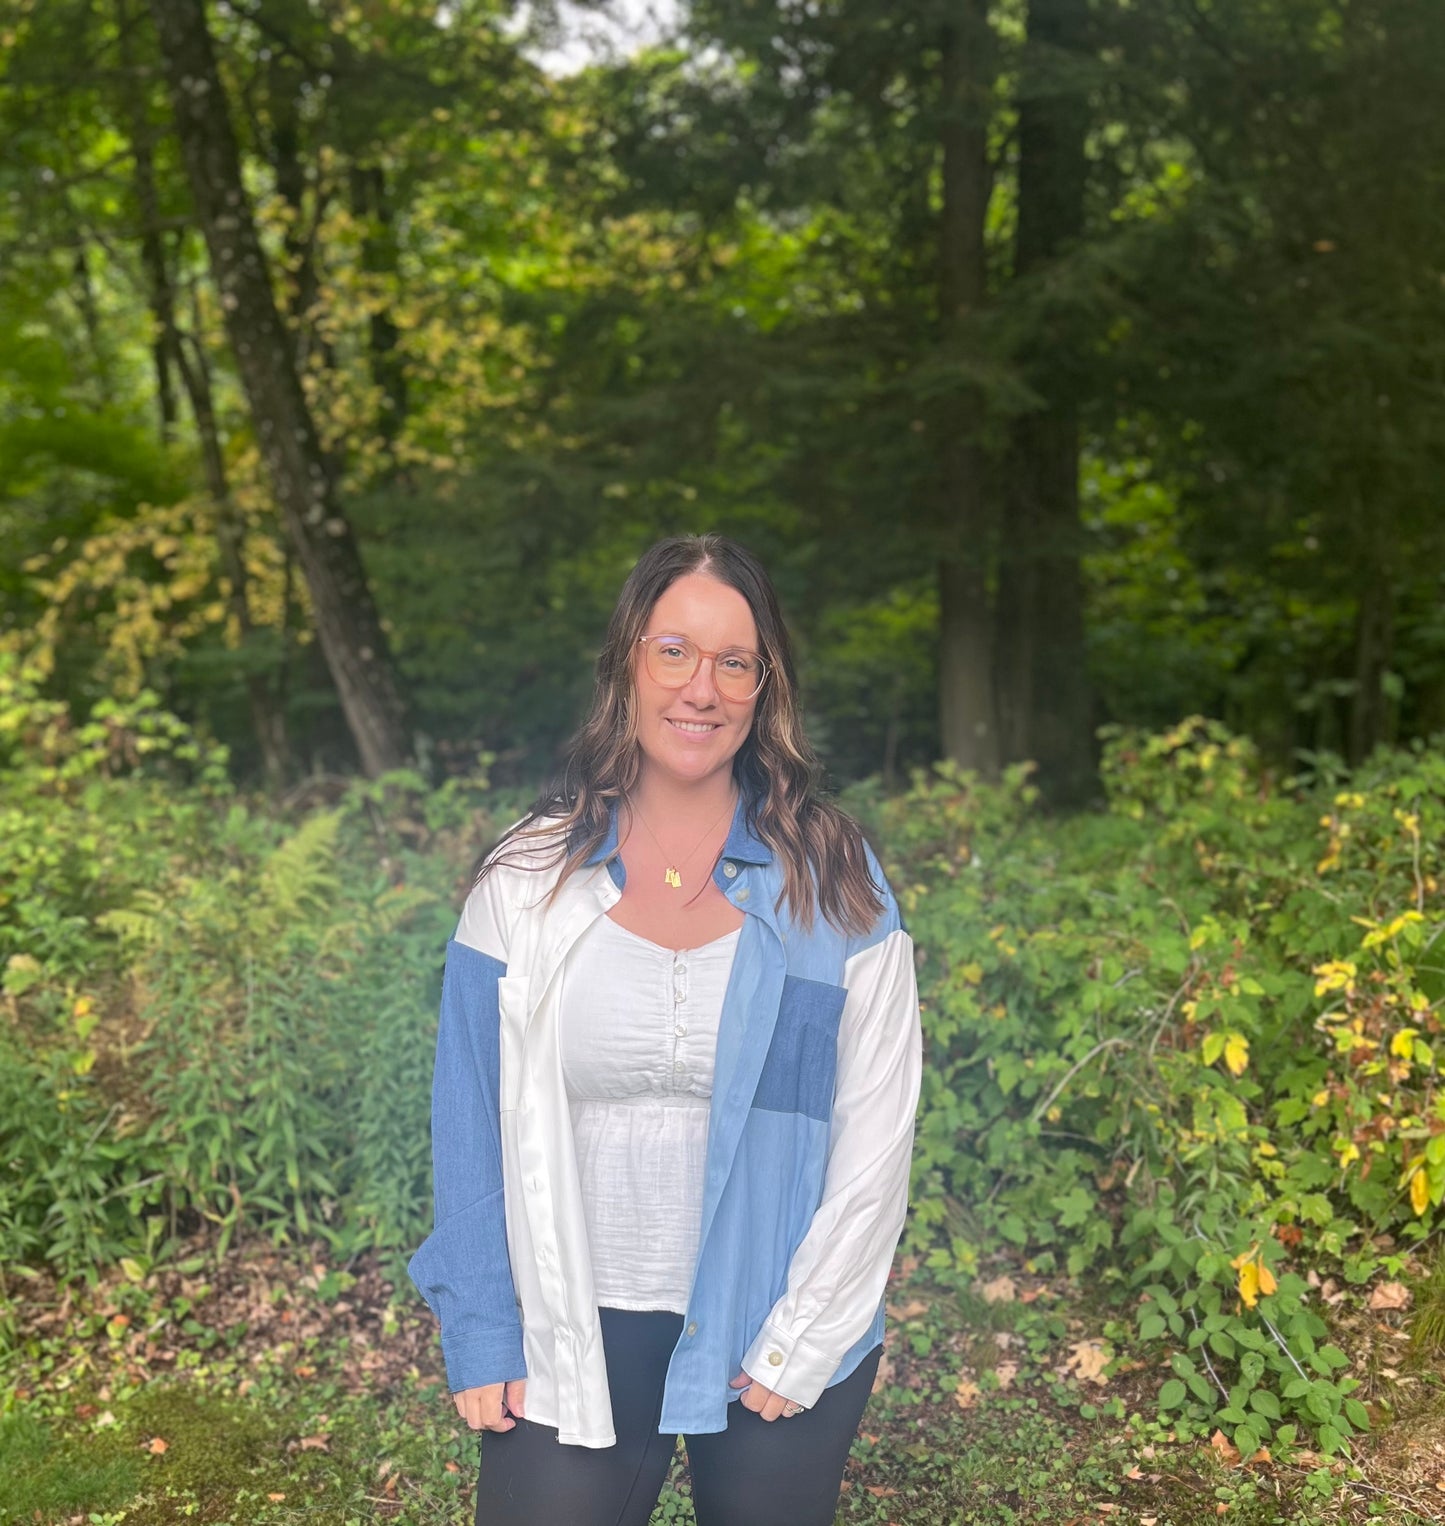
point(762, 1401)
point(490, 1408)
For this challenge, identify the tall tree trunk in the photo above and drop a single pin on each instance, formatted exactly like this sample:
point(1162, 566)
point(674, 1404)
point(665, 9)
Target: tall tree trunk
point(1043, 674)
point(967, 720)
point(379, 258)
point(1374, 637)
point(268, 722)
point(347, 625)
point(165, 346)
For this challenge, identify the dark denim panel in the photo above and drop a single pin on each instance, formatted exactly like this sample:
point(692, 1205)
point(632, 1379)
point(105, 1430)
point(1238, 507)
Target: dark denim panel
point(802, 1060)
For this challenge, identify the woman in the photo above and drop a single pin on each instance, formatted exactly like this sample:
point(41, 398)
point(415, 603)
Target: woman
point(676, 1075)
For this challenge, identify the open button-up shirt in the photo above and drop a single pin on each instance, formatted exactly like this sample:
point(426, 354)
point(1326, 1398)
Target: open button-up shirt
point(819, 1057)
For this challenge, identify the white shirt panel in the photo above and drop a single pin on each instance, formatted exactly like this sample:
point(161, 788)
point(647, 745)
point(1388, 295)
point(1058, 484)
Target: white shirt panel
point(638, 1028)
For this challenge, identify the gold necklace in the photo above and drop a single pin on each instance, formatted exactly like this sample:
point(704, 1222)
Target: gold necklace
point(672, 872)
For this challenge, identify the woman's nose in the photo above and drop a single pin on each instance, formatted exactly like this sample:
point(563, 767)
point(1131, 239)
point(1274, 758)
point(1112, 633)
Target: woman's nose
point(701, 688)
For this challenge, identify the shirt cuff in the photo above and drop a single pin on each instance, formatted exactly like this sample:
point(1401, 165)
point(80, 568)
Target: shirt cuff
point(789, 1366)
point(483, 1357)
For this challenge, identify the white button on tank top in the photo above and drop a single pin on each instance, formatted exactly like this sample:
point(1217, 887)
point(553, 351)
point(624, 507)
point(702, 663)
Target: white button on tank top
point(638, 1030)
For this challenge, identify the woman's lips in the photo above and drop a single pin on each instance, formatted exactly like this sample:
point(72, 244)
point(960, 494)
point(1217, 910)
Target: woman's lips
point(698, 730)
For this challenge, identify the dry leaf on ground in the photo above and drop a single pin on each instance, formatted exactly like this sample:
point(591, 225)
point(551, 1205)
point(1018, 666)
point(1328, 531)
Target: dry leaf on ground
point(1000, 1290)
point(1225, 1449)
point(967, 1392)
point(910, 1310)
point(1390, 1295)
point(1087, 1361)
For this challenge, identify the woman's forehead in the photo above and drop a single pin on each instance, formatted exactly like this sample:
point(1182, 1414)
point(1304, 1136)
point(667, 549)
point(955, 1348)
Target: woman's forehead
point(705, 611)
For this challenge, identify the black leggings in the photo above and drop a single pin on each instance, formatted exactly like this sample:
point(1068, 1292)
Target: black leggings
point(784, 1472)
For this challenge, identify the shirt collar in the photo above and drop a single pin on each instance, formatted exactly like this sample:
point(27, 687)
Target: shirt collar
point(743, 845)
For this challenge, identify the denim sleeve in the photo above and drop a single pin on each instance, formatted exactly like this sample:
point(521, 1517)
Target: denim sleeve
point(462, 1268)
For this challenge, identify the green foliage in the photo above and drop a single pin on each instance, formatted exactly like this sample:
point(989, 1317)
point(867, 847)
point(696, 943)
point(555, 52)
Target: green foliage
point(1185, 1046)
point(1182, 1043)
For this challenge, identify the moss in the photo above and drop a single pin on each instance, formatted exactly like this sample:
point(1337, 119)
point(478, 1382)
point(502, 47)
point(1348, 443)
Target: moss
point(51, 1478)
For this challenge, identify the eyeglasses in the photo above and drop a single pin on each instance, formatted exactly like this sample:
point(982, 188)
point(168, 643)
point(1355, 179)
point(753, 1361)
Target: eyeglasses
point(672, 661)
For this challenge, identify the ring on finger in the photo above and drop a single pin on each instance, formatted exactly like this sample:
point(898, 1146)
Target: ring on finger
point(790, 1409)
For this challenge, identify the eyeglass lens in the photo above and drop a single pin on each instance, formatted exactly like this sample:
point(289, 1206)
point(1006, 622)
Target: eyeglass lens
point(672, 660)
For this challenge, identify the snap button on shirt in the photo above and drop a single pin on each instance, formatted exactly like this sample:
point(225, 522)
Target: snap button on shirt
point(730, 869)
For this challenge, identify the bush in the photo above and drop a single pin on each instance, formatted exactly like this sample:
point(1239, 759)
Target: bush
point(1186, 1045)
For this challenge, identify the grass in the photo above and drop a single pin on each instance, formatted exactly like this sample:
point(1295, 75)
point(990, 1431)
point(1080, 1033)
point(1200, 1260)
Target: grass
point(276, 1393)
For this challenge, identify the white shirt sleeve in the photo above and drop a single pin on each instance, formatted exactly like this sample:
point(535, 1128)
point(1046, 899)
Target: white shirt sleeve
point(838, 1272)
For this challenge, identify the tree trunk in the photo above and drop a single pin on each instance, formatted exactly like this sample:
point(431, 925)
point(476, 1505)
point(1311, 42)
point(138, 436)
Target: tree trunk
point(1043, 673)
point(267, 720)
point(347, 624)
point(1374, 652)
point(967, 722)
point(379, 258)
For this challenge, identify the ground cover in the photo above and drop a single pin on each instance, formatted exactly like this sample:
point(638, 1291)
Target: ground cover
point(268, 1389)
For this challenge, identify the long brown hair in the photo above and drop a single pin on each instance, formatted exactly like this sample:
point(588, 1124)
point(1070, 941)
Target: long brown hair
point(777, 771)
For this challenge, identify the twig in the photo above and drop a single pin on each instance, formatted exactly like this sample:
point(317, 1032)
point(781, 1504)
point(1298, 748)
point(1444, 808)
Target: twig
point(1224, 1392)
point(1073, 1070)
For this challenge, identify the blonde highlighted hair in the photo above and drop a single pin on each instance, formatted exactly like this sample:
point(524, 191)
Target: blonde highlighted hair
point(820, 848)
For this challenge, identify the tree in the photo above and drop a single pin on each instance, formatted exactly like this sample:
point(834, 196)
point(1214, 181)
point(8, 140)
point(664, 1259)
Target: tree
point(302, 475)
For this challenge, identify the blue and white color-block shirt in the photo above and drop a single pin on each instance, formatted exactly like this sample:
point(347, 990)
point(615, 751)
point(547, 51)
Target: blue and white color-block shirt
point(810, 1134)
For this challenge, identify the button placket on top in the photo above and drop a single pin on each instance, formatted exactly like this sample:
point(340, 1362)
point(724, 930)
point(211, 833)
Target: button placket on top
point(679, 1015)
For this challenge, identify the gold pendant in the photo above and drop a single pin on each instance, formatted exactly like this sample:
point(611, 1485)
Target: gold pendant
point(673, 878)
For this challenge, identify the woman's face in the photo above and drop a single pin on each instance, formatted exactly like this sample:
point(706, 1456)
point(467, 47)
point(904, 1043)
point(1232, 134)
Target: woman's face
point(690, 733)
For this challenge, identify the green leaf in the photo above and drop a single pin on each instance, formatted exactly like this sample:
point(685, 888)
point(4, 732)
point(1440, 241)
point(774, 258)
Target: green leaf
point(1172, 1394)
point(1357, 1414)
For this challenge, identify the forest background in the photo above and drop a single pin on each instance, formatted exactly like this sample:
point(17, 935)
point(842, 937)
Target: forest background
point(1078, 369)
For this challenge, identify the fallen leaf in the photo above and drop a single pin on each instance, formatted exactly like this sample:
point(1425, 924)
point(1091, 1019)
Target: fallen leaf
point(451, 1467)
point(1087, 1361)
point(1390, 1295)
point(910, 1310)
point(1001, 1290)
point(1006, 1372)
point(305, 1372)
point(1228, 1452)
point(104, 1418)
point(880, 1491)
point(315, 1443)
point(275, 1497)
point(967, 1391)
point(157, 1445)
point(884, 1376)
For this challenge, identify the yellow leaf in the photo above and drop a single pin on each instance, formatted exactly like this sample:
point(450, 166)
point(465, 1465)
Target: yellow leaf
point(1403, 1043)
point(1236, 1053)
point(1249, 1283)
point(972, 973)
point(1267, 1283)
point(1419, 1191)
point(1319, 1099)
